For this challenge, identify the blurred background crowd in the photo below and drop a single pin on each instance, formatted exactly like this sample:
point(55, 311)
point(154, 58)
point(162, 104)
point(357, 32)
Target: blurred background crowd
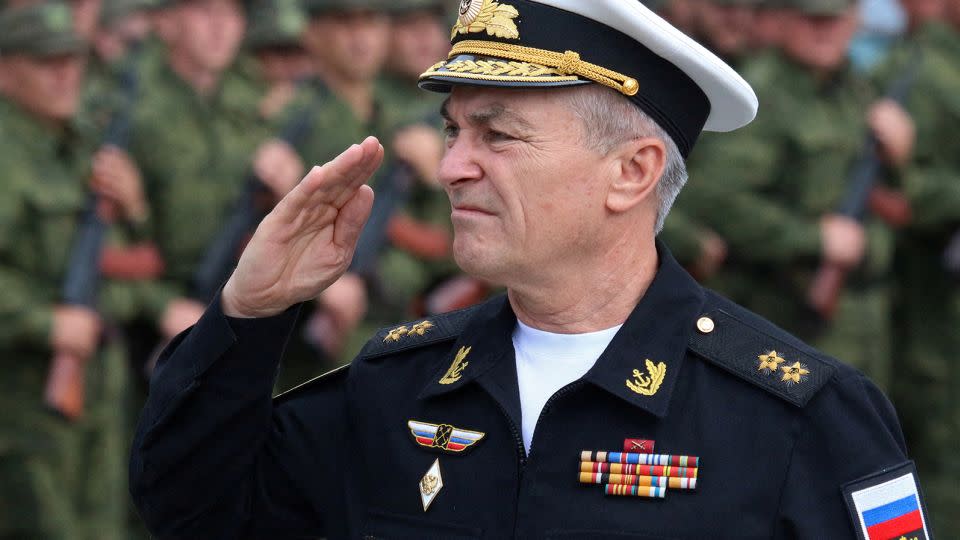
point(141, 141)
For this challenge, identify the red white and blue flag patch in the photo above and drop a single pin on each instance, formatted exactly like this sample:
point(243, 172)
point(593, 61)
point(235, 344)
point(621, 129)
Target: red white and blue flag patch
point(443, 436)
point(888, 505)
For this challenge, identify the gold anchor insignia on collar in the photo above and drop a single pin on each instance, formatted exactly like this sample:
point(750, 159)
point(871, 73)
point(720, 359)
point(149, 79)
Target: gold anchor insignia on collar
point(455, 371)
point(396, 334)
point(794, 374)
point(486, 15)
point(770, 362)
point(648, 386)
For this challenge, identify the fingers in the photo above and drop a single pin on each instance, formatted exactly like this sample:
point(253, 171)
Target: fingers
point(352, 217)
point(335, 182)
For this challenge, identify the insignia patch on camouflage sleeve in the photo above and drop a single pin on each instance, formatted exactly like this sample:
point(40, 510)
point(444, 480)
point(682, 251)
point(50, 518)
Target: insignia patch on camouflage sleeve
point(888, 505)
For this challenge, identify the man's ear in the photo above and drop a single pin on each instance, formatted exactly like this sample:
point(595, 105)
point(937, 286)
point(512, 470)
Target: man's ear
point(639, 163)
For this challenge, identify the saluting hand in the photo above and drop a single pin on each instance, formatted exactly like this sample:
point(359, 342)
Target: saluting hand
point(307, 242)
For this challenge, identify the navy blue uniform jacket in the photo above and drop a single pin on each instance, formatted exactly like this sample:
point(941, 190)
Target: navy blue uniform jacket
point(216, 456)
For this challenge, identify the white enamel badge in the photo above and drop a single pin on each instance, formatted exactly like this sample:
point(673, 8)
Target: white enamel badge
point(430, 485)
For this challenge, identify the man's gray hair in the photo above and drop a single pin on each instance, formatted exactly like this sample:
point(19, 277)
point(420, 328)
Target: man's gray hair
point(609, 120)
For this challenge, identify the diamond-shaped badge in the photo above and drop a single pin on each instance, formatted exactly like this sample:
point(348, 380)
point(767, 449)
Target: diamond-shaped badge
point(430, 485)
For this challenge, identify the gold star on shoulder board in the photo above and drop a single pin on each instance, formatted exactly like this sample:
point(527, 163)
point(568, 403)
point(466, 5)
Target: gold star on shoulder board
point(395, 334)
point(794, 374)
point(770, 362)
point(420, 328)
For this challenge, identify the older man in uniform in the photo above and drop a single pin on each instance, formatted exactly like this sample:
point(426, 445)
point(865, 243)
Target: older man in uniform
point(607, 395)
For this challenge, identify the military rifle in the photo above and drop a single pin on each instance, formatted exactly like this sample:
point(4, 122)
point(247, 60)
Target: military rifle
point(392, 196)
point(828, 283)
point(64, 391)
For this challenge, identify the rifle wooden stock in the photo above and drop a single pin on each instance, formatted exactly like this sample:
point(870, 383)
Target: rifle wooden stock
point(137, 262)
point(420, 239)
point(458, 292)
point(890, 206)
point(824, 293)
point(64, 391)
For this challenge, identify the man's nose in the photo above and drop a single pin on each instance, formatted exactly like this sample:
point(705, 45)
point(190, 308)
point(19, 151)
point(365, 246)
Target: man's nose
point(459, 164)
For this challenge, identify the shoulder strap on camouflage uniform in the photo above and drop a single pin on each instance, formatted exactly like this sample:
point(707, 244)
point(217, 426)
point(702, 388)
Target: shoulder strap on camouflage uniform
point(757, 351)
point(417, 333)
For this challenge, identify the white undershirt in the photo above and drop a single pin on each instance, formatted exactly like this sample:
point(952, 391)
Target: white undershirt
point(547, 362)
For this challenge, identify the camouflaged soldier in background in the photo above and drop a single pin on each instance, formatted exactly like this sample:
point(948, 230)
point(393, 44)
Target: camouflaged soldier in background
point(273, 40)
point(422, 234)
point(725, 27)
point(773, 190)
point(928, 306)
point(348, 44)
point(57, 479)
point(195, 128)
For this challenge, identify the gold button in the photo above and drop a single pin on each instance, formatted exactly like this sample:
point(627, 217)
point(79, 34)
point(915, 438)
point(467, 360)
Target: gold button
point(705, 325)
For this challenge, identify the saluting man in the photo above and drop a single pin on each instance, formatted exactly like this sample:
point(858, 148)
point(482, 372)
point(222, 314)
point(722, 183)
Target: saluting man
point(605, 395)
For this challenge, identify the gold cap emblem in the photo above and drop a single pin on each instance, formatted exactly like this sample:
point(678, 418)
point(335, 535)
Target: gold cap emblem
point(494, 18)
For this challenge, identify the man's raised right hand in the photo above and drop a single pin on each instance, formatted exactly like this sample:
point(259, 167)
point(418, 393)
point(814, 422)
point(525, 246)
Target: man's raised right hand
point(307, 242)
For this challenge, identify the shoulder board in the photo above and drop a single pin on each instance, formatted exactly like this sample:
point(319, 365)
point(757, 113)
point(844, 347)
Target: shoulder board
point(755, 350)
point(329, 377)
point(417, 333)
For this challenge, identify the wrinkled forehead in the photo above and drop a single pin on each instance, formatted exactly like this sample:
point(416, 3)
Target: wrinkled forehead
point(522, 107)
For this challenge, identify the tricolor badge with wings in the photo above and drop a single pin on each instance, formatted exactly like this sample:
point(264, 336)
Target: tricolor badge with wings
point(443, 437)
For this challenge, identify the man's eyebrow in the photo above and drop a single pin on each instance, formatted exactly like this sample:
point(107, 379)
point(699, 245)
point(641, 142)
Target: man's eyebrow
point(445, 110)
point(487, 115)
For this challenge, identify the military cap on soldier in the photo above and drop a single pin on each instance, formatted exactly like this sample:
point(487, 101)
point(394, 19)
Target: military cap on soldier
point(316, 7)
point(406, 6)
point(622, 45)
point(820, 8)
point(43, 29)
point(275, 23)
point(114, 10)
point(733, 3)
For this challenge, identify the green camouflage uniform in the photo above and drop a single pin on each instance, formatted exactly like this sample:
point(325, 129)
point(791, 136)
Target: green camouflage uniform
point(427, 203)
point(334, 127)
point(927, 372)
point(765, 189)
point(194, 154)
point(58, 480)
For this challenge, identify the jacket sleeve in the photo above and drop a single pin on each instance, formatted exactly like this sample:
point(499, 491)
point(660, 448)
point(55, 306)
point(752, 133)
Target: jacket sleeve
point(849, 431)
point(215, 456)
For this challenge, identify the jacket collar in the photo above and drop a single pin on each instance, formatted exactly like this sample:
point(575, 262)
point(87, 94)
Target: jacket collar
point(641, 365)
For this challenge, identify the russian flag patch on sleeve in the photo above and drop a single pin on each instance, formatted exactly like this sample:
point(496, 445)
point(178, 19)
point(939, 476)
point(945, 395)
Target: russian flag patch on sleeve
point(888, 505)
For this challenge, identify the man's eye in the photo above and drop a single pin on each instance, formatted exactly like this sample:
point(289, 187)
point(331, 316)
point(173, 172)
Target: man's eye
point(499, 136)
point(450, 131)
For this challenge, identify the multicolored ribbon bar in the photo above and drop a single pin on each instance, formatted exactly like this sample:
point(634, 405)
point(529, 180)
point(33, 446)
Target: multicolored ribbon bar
point(647, 470)
point(639, 459)
point(638, 480)
point(635, 491)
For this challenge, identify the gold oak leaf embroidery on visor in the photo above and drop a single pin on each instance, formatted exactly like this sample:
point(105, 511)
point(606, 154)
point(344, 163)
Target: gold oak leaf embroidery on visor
point(648, 385)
